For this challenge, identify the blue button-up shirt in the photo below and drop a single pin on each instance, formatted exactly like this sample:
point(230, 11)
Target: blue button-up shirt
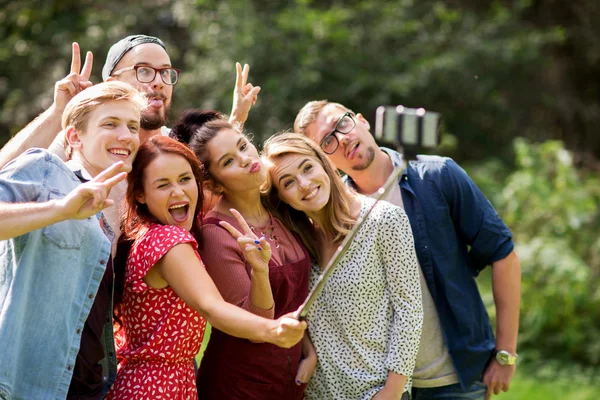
point(457, 233)
point(48, 281)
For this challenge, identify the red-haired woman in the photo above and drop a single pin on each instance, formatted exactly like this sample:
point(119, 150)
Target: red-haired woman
point(166, 292)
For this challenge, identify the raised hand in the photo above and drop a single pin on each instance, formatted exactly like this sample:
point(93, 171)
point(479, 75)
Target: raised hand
point(92, 197)
point(77, 80)
point(256, 250)
point(244, 95)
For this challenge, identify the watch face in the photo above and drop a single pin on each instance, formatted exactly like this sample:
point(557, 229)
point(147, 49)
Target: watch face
point(502, 358)
point(505, 358)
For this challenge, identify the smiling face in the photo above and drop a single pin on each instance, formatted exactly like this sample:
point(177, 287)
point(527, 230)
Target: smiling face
point(110, 135)
point(301, 182)
point(356, 151)
point(234, 163)
point(157, 92)
point(170, 190)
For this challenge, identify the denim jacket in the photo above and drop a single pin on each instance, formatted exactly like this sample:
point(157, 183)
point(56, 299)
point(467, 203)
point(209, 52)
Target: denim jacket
point(48, 281)
point(457, 233)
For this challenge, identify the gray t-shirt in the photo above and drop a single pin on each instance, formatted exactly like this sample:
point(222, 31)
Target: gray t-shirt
point(433, 365)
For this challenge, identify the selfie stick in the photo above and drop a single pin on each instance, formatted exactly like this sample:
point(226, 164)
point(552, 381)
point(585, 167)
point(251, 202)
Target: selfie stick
point(341, 251)
point(406, 128)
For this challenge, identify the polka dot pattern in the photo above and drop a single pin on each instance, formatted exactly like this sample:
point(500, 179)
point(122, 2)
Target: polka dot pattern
point(160, 334)
point(367, 321)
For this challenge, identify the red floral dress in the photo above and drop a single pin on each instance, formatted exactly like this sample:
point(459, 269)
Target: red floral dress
point(160, 334)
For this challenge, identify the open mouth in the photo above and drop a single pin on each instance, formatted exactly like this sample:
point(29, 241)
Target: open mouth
point(311, 194)
point(179, 211)
point(155, 102)
point(352, 151)
point(120, 152)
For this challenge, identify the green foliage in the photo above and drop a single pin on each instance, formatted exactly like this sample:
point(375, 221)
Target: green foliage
point(553, 213)
point(495, 70)
point(478, 65)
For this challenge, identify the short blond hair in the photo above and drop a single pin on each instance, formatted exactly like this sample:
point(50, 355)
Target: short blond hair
point(309, 113)
point(339, 219)
point(79, 107)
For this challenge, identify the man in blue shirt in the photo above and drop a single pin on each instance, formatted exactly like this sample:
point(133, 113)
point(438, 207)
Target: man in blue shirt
point(457, 233)
point(56, 276)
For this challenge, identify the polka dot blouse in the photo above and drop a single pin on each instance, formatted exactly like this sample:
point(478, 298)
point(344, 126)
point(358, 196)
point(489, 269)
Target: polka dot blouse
point(368, 319)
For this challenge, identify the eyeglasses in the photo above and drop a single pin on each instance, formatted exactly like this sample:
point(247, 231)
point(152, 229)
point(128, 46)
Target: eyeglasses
point(146, 74)
point(345, 124)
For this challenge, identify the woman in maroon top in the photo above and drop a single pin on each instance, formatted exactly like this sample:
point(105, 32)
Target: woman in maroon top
point(163, 291)
point(234, 368)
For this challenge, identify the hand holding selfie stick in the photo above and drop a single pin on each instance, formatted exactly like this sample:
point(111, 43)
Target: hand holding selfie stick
point(407, 129)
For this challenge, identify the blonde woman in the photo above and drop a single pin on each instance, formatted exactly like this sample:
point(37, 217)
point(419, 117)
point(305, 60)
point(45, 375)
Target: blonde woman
point(366, 324)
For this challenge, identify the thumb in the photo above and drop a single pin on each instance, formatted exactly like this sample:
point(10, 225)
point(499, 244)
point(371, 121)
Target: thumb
point(254, 92)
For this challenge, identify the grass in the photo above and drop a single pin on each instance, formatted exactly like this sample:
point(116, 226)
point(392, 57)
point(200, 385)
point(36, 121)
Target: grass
point(526, 386)
point(204, 343)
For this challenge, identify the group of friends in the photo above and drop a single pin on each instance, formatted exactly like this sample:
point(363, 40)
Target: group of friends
point(121, 238)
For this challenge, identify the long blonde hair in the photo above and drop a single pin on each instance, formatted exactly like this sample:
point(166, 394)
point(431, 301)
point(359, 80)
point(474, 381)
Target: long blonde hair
point(338, 221)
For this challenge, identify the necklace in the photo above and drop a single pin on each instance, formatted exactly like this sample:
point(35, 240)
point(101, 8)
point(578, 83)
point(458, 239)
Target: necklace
point(268, 231)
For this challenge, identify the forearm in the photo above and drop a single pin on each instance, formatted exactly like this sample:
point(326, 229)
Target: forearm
point(17, 219)
point(238, 119)
point(261, 295)
point(238, 322)
point(39, 133)
point(395, 383)
point(308, 350)
point(506, 287)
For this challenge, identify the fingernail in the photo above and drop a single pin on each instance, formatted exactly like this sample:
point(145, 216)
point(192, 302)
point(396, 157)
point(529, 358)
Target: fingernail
point(298, 382)
point(259, 249)
point(256, 242)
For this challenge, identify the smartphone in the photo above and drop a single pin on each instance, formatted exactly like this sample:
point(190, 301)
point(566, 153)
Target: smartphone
point(408, 127)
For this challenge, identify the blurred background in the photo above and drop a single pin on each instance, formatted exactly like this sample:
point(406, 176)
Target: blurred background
point(516, 81)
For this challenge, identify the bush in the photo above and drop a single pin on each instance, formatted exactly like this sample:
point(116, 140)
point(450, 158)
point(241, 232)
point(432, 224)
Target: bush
point(552, 210)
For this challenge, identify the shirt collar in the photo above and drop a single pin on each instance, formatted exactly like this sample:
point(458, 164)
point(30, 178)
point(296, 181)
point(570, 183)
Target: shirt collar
point(397, 161)
point(78, 170)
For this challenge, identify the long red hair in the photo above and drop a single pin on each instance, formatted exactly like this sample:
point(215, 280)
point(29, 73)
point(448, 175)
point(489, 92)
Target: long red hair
point(136, 217)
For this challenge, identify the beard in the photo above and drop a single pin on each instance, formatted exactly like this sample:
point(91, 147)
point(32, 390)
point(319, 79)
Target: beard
point(153, 121)
point(368, 160)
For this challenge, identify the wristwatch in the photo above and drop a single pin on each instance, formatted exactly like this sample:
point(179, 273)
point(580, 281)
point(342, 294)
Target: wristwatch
point(505, 358)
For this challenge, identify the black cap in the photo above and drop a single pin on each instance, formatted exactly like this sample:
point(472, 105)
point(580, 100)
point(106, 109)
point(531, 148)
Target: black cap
point(118, 50)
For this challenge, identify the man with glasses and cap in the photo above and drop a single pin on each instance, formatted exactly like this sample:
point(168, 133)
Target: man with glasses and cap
point(457, 233)
point(143, 62)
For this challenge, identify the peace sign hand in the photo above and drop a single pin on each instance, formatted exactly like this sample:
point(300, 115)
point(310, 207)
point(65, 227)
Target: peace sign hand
point(244, 95)
point(92, 197)
point(256, 250)
point(77, 80)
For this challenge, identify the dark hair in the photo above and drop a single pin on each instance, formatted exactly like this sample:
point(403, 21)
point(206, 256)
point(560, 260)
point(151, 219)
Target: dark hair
point(198, 127)
point(136, 216)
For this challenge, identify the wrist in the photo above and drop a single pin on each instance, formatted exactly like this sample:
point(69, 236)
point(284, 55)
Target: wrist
point(269, 334)
point(505, 357)
point(394, 384)
point(58, 210)
point(237, 118)
point(260, 272)
point(56, 110)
